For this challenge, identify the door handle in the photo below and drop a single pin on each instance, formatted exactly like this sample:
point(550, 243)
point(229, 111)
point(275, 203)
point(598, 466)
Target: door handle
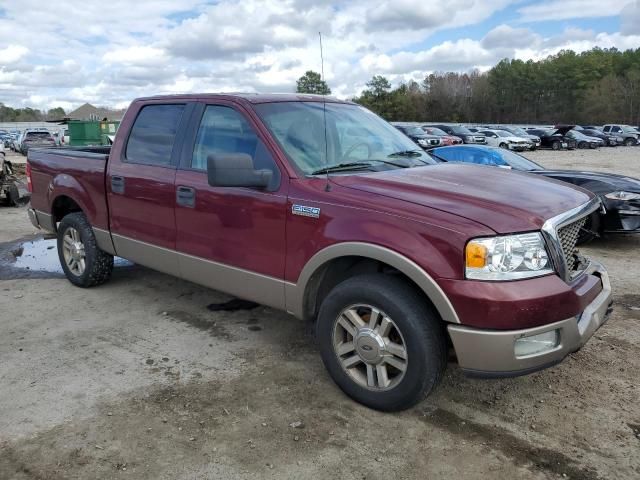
point(117, 184)
point(186, 197)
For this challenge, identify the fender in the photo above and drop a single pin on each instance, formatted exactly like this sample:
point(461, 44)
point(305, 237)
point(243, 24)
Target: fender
point(68, 186)
point(295, 293)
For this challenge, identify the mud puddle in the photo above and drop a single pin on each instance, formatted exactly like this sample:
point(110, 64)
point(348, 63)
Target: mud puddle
point(35, 258)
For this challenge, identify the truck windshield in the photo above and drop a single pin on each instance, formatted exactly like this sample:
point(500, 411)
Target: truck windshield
point(353, 134)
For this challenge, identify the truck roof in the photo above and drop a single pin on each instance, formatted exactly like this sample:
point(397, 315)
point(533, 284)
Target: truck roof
point(249, 97)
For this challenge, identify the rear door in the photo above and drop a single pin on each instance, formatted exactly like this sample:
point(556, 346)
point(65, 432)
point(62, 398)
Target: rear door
point(140, 186)
point(231, 238)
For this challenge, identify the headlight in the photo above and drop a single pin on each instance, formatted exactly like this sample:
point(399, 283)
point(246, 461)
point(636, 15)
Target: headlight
point(623, 196)
point(422, 141)
point(509, 257)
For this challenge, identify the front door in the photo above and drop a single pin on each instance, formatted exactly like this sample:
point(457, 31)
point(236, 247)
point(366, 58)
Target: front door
point(230, 238)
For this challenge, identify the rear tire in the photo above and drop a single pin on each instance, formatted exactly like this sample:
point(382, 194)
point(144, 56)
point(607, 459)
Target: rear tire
point(84, 264)
point(364, 326)
point(582, 145)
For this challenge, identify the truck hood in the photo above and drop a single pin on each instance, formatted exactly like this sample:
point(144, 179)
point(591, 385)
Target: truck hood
point(503, 200)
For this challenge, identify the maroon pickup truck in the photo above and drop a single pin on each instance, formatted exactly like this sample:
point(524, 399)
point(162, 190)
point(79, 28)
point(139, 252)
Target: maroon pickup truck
point(319, 207)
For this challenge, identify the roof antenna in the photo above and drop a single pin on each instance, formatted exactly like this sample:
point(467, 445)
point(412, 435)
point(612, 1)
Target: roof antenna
point(327, 187)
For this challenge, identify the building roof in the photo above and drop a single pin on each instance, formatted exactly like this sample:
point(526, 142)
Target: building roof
point(91, 112)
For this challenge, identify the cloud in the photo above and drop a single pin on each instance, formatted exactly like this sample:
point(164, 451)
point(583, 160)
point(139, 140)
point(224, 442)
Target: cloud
point(630, 19)
point(566, 9)
point(109, 53)
point(504, 36)
point(12, 53)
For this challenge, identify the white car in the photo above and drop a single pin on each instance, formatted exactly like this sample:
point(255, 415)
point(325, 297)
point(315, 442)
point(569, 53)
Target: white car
point(504, 139)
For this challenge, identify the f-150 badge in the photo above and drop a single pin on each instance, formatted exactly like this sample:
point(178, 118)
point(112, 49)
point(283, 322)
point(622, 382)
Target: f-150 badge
point(305, 211)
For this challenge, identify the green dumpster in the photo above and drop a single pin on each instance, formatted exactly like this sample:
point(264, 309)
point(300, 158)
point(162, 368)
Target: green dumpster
point(83, 133)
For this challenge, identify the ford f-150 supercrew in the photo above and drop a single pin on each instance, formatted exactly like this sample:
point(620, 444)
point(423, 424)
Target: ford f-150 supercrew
point(318, 207)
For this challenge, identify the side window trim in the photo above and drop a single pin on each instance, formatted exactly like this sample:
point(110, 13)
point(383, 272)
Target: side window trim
point(178, 140)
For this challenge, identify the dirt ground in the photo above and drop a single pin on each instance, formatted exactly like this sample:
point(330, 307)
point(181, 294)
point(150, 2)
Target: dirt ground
point(138, 379)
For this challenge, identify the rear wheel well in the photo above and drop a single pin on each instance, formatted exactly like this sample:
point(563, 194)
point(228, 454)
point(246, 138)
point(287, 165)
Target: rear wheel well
point(337, 271)
point(63, 206)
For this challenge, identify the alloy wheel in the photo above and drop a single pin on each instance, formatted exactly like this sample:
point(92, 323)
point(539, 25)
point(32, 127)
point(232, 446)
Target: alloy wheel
point(73, 251)
point(370, 347)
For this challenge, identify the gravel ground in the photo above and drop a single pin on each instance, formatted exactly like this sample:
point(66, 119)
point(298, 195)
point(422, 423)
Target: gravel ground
point(137, 379)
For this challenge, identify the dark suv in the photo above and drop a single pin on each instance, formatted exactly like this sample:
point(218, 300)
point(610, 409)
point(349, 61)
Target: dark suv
point(464, 133)
point(418, 135)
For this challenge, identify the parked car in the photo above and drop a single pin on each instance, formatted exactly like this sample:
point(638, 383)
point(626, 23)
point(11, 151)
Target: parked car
point(15, 144)
point(554, 138)
point(608, 139)
point(391, 255)
point(629, 134)
point(36, 139)
point(445, 138)
point(620, 195)
point(504, 139)
point(5, 140)
point(585, 141)
point(464, 133)
point(418, 135)
point(521, 132)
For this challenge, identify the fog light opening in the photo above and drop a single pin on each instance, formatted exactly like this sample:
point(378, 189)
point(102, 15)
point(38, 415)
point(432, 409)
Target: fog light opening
point(536, 344)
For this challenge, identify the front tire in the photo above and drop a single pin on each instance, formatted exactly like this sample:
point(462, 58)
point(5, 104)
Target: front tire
point(381, 341)
point(629, 142)
point(84, 264)
point(555, 146)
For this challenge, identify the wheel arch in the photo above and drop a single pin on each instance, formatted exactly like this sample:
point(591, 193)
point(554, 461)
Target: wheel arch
point(63, 205)
point(340, 261)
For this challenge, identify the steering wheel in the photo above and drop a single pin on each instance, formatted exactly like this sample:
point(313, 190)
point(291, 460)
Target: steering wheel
point(355, 146)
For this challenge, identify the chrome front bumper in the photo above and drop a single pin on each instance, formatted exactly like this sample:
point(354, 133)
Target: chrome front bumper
point(491, 353)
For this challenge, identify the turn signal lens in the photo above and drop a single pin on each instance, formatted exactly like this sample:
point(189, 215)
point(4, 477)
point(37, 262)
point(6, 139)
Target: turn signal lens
point(476, 255)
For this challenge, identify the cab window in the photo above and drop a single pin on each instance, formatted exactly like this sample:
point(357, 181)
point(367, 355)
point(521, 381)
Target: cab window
point(153, 134)
point(224, 130)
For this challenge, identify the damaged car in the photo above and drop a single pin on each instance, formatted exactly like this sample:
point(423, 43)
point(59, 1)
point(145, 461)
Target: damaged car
point(554, 138)
point(13, 191)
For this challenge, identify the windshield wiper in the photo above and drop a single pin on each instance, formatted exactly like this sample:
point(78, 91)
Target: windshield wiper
point(438, 157)
point(406, 153)
point(342, 166)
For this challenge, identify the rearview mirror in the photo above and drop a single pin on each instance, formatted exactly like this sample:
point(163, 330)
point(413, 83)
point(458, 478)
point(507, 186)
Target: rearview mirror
point(235, 170)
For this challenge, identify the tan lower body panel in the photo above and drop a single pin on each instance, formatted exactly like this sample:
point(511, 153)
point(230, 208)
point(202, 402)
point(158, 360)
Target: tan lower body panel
point(242, 283)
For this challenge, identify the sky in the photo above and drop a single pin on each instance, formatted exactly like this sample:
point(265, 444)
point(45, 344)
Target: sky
point(65, 53)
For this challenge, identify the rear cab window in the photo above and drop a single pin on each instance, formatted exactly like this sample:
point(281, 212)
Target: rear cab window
point(153, 134)
point(38, 136)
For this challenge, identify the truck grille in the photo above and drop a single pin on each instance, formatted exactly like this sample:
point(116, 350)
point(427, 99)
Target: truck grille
point(568, 236)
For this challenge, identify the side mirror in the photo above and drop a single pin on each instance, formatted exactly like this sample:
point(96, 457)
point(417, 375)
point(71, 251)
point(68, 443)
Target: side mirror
point(235, 170)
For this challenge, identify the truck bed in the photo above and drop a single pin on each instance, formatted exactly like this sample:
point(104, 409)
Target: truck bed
point(80, 171)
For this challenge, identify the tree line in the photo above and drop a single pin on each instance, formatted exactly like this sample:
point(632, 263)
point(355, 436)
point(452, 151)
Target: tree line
point(596, 86)
point(27, 114)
